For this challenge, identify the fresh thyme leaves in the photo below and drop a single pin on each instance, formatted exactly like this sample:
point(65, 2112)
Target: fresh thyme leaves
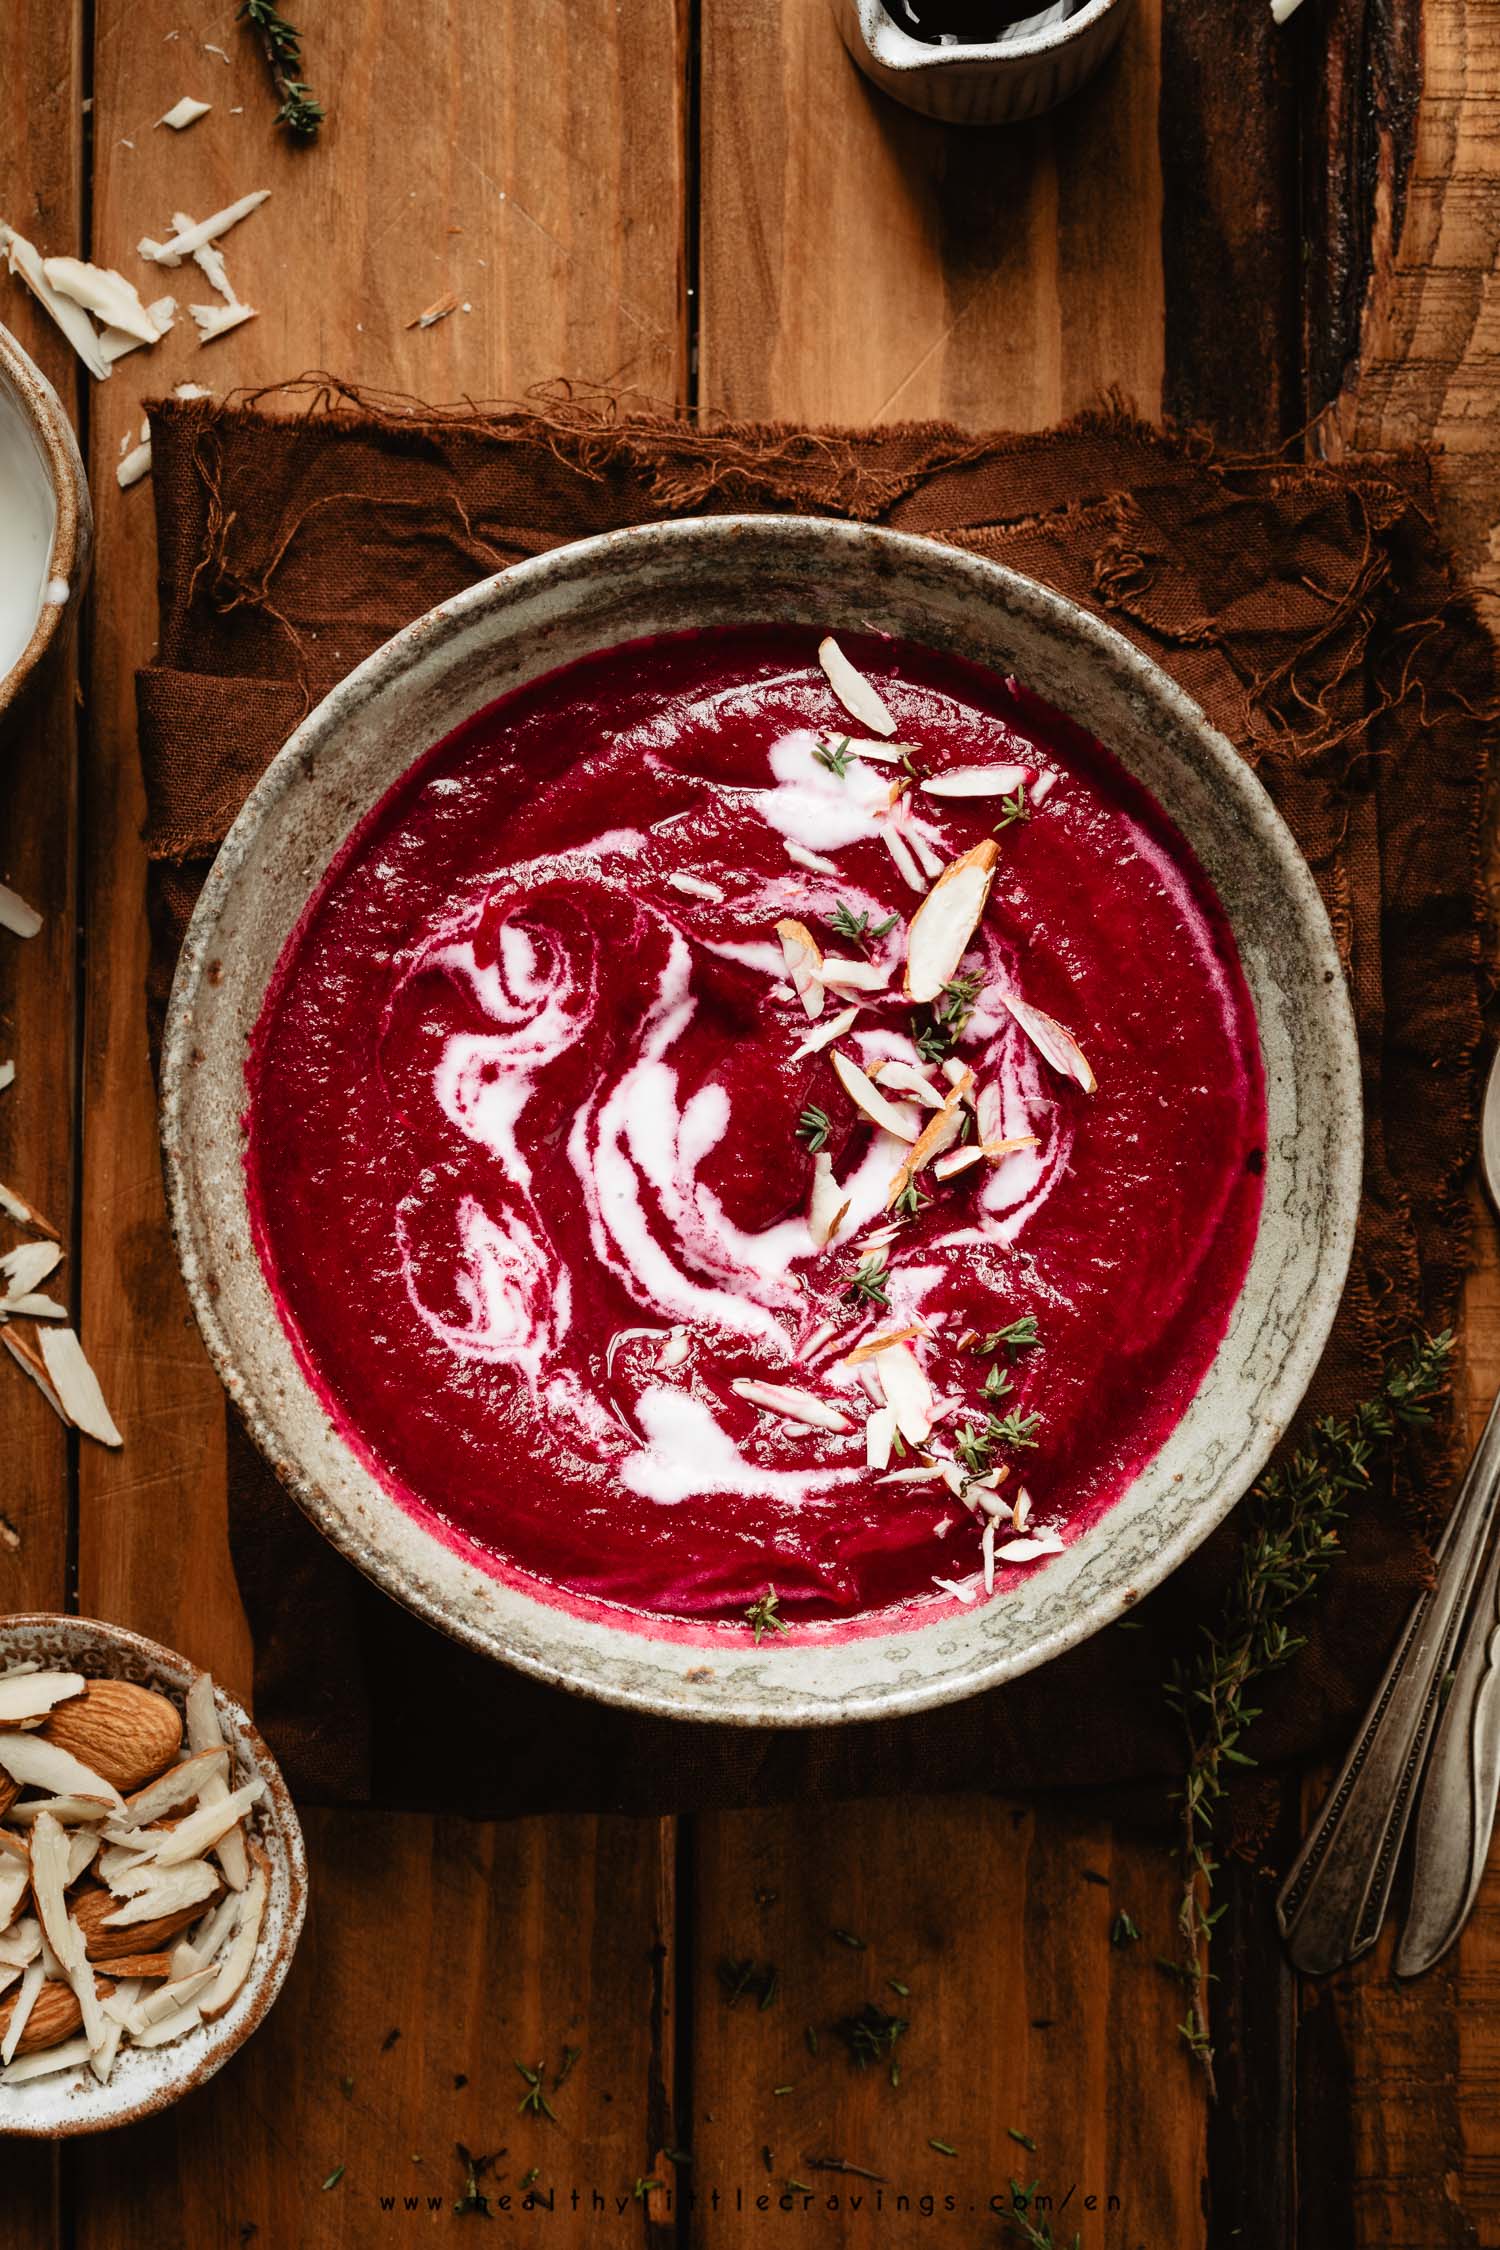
point(897, 1986)
point(1018, 1337)
point(534, 2102)
point(281, 43)
point(570, 2056)
point(763, 1614)
point(973, 1444)
point(842, 2164)
point(1013, 809)
point(1025, 2139)
point(858, 928)
point(997, 1382)
point(814, 1127)
point(646, 2186)
point(1290, 1539)
point(946, 1019)
point(1016, 2218)
point(1014, 1429)
point(474, 2203)
point(529, 2179)
point(835, 755)
point(870, 2035)
point(847, 1937)
point(1123, 1930)
point(911, 1200)
point(870, 1282)
point(944, 2148)
point(333, 2178)
point(736, 1978)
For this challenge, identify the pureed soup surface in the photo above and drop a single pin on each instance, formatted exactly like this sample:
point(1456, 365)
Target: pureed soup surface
point(543, 1138)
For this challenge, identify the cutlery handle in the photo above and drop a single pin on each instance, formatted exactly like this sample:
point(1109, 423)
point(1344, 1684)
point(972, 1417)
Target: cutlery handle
point(1333, 1902)
point(1456, 1807)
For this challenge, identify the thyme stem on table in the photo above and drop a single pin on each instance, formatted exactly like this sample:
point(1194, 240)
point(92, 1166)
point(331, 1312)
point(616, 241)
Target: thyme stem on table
point(1290, 1539)
point(281, 43)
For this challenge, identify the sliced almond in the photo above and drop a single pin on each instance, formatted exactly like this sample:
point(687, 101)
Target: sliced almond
point(675, 1350)
point(83, 1850)
point(976, 781)
point(179, 1785)
point(93, 1907)
point(172, 2027)
point(26, 1267)
point(938, 1134)
point(204, 1730)
point(49, 1883)
point(183, 1886)
point(102, 292)
point(228, 1849)
point(38, 1764)
point(31, 1695)
point(869, 1101)
point(874, 1345)
point(1029, 1550)
point(931, 862)
point(792, 1404)
point(854, 976)
point(184, 113)
point(898, 1077)
point(21, 1943)
point(438, 310)
point(900, 851)
point(1054, 1042)
point(939, 932)
point(694, 886)
point(859, 698)
point(67, 1809)
point(24, 258)
point(815, 862)
point(15, 1206)
point(28, 1358)
point(826, 1034)
point(829, 1206)
point(956, 1160)
point(202, 1829)
point(77, 1385)
point(880, 1436)
point(236, 1965)
point(906, 1390)
point(17, 2014)
point(186, 240)
point(804, 962)
point(156, 2006)
point(15, 1881)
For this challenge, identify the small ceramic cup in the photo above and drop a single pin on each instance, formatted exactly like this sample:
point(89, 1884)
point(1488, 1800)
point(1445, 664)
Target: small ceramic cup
point(147, 2079)
point(37, 444)
point(989, 82)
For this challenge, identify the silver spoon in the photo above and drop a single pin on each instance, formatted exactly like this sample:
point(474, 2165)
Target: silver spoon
point(1334, 1900)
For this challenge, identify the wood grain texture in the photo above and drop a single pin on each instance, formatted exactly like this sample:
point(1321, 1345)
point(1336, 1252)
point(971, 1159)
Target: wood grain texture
point(1025, 2024)
point(438, 1955)
point(41, 185)
point(863, 264)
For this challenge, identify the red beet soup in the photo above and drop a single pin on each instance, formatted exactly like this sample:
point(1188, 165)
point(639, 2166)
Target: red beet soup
point(758, 1131)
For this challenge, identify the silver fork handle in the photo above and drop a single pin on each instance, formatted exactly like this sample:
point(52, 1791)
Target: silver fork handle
point(1334, 1900)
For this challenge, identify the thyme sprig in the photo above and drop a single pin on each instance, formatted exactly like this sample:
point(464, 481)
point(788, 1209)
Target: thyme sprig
point(870, 1282)
point(1013, 809)
point(1016, 2218)
point(814, 1127)
point(858, 928)
point(534, 2101)
point(281, 42)
point(835, 755)
point(870, 2035)
point(1290, 1539)
point(764, 1615)
point(946, 1019)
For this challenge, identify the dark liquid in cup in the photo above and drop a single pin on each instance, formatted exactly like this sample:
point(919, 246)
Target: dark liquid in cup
point(945, 23)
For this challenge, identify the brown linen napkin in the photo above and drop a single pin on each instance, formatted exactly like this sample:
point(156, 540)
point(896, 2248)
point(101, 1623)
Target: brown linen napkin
point(1310, 610)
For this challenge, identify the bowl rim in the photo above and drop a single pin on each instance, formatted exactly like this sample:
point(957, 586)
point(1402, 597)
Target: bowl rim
point(366, 683)
point(72, 530)
point(894, 48)
point(273, 1972)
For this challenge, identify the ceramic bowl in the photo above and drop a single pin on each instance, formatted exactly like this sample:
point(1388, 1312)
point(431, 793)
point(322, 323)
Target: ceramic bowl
point(831, 575)
point(989, 82)
point(146, 2079)
point(34, 422)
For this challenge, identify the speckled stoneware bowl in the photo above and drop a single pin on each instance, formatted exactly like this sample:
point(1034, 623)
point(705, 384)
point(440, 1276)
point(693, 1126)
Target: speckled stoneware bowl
point(33, 416)
point(146, 2079)
point(982, 82)
point(666, 578)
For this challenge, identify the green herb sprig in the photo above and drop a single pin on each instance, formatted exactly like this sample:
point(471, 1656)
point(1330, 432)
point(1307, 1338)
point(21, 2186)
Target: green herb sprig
point(814, 1127)
point(534, 2102)
point(1290, 1539)
point(1013, 809)
point(281, 43)
point(764, 1615)
point(835, 756)
point(946, 1019)
point(858, 928)
point(870, 1283)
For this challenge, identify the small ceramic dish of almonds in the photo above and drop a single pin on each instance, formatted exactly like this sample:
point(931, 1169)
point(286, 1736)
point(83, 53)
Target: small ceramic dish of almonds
point(152, 1876)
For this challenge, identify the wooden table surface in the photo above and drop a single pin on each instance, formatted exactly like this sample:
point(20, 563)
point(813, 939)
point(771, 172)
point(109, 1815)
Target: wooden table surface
point(1261, 231)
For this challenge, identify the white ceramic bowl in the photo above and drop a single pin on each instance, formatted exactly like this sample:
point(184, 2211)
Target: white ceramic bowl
point(147, 2079)
point(981, 82)
point(37, 444)
point(663, 578)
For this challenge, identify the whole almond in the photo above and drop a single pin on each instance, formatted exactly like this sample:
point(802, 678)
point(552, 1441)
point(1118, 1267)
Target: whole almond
point(56, 2015)
point(126, 1733)
point(90, 1903)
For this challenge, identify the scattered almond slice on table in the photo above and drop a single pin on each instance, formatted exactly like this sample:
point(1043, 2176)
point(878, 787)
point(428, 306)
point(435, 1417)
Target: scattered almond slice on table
point(123, 1945)
point(21, 920)
point(184, 113)
point(438, 310)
